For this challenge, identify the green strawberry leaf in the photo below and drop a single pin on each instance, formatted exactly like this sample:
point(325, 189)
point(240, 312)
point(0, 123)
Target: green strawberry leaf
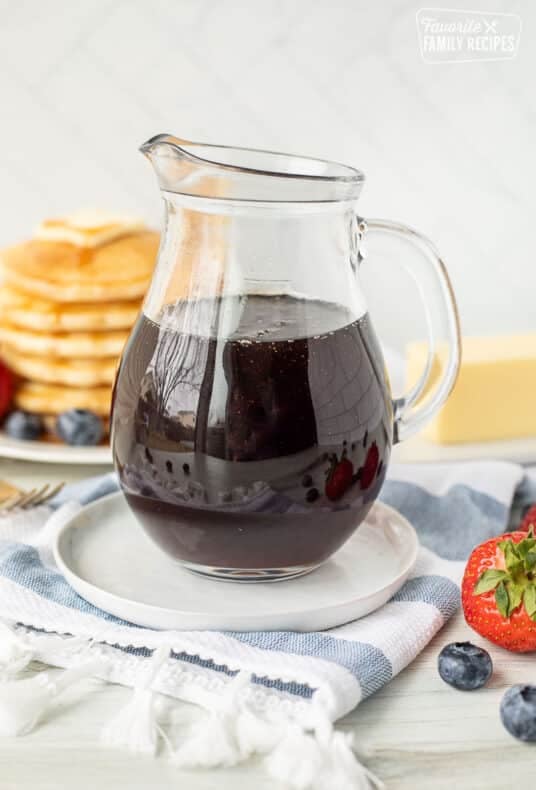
point(513, 561)
point(489, 581)
point(529, 600)
point(524, 546)
point(530, 560)
point(515, 595)
point(502, 599)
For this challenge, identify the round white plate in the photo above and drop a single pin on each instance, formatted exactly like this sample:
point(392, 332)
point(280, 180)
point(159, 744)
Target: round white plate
point(52, 453)
point(105, 555)
point(420, 450)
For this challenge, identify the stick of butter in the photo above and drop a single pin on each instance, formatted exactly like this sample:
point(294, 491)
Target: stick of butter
point(495, 395)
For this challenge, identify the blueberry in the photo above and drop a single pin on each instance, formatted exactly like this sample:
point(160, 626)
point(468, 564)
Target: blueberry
point(312, 495)
point(79, 427)
point(464, 666)
point(22, 425)
point(518, 712)
point(307, 481)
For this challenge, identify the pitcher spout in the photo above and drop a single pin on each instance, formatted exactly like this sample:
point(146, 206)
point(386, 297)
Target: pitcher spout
point(166, 146)
point(171, 160)
point(247, 174)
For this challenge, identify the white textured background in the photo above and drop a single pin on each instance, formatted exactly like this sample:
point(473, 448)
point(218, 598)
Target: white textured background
point(448, 148)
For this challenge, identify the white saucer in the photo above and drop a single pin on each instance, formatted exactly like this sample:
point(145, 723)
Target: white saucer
point(105, 555)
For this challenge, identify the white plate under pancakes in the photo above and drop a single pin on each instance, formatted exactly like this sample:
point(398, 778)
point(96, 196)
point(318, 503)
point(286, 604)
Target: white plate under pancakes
point(106, 557)
point(52, 452)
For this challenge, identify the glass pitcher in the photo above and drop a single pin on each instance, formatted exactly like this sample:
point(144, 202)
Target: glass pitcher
point(252, 418)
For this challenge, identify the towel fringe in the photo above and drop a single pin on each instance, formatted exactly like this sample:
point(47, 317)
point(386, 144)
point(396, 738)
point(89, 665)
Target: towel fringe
point(135, 727)
point(302, 761)
point(15, 652)
point(23, 703)
point(214, 742)
point(305, 755)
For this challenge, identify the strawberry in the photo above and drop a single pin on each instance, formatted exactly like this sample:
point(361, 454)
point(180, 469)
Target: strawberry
point(6, 389)
point(499, 591)
point(529, 520)
point(340, 477)
point(370, 467)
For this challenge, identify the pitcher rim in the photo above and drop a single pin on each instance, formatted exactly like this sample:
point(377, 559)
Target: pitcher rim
point(352, 175)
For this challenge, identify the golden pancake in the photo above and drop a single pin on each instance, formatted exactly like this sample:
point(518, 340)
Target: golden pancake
point(62, 272)
point(64, 344)
point(69, 372)
point(41, 315)
point(54, 399)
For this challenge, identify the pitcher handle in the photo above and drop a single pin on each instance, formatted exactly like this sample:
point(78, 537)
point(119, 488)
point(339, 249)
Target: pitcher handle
point(433, 283)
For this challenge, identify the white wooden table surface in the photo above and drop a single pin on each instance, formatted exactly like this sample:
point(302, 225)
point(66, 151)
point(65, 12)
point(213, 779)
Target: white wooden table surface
point(417, 733)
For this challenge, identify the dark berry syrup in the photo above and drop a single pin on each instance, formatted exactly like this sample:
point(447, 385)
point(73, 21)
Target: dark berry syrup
point(258, 444)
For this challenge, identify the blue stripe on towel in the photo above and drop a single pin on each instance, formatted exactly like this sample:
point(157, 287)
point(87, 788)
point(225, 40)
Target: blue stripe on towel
point(366, 662)
point(290, 687)
point(22, 565)
point(450, 525)
point(436, 590)
point(86, 491)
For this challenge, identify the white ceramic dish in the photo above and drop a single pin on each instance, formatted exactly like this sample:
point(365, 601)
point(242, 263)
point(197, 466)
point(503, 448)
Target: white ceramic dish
point(52, 453)
point(419, 450)
point(105, 555)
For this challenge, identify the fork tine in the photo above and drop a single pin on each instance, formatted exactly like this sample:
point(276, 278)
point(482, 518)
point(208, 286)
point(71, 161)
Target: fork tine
point(33, 496)
point(29, 499)
point(56, 490)
point(26, 497)
point(37, 497)
point(15, 502)
point(11, 503)
point(47, 494)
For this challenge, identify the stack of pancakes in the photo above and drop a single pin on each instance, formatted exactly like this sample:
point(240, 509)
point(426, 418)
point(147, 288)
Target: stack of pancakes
point(68, 299)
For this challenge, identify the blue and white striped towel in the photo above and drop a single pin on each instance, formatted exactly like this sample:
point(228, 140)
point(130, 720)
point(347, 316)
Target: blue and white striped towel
point(452, 507)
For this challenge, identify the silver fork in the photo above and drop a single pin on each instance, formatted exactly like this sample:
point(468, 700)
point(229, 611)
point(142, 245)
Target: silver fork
point(24, 500)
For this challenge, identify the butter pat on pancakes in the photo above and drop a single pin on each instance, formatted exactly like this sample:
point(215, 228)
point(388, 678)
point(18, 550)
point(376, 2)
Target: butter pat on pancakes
point(89, 228)
point(493, 398)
